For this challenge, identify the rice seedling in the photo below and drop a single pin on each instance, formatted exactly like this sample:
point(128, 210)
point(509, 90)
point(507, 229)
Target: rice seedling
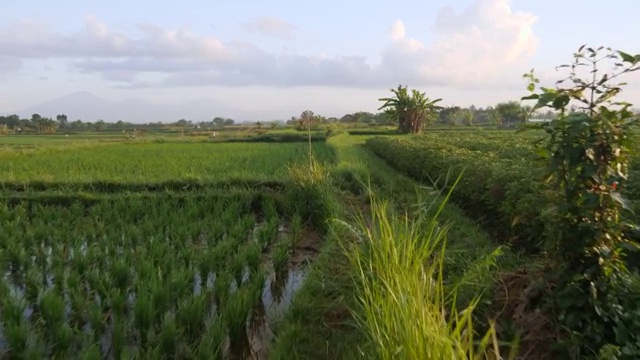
point(238, 268)
point(281, 257)
point(269, 209)
point(118, 336)
point(169, 335)
point(222, 288)
point(190, 315)
point(211, 345)
point(116, 275)
point(119, 166)
point(62, 338)
point(15, 328)
point(91, 353)
point(143, 316)
point(295, 229)
point(252, 253)
point(236, 315)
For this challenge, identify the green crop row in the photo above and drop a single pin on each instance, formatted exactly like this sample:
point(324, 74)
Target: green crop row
point(502, 182)
point(149, 163)
point(520, 147)
point(504, 194)
point(177, 277)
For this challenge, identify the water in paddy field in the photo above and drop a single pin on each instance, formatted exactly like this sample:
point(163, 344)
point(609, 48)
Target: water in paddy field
point(277, 294)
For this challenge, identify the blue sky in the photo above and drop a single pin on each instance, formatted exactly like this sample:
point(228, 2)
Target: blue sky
point(277, 58)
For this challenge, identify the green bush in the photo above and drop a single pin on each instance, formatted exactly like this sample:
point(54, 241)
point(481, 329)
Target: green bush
point(506, 196)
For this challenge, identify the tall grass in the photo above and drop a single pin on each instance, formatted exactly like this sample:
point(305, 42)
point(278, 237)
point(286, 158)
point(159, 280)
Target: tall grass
point(404, 307)
point(310, 193)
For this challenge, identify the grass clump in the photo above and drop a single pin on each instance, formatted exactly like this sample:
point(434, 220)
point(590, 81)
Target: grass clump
point(403, 305)
point(310, 193)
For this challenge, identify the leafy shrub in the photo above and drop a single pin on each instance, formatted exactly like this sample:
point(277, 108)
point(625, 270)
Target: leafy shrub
point(504, 195)
point(588, 157)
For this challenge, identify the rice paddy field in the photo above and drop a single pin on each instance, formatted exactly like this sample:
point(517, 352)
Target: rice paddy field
point(148, 250)
point(151, 163)
point(208, 249)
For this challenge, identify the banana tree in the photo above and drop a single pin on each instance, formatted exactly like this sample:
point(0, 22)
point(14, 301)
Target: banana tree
point(411, 110)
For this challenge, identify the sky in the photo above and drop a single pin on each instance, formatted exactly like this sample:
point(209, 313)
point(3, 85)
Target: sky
point(263, 60)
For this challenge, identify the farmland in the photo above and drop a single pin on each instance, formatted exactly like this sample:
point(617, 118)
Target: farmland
point(151, 163)
point(209, 248)
point(148, 249)
point(502, 177)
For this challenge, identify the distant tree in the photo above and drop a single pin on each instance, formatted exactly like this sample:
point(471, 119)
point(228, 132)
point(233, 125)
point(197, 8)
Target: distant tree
point(363, 116)
point(99, 125)
point(347, 118)
point(218, 121)
point(306, 120)
point(510, 113)
point(259, 124)
point(453, 116)
point(183, 122)
point(228, 122)
point(11, 121)
point(466, 116)
point(411, 110)
point(448, 115)
point(62, 121)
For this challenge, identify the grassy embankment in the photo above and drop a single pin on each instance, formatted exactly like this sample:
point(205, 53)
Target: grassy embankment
point(348, 307)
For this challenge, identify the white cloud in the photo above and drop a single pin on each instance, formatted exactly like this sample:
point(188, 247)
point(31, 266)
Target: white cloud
point(485, 45)
point(397, 31)
point(270, 26)
point(9, 64)
point(470, 48)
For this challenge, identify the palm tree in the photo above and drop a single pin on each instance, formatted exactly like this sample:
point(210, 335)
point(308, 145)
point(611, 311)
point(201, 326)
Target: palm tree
point(410, 110)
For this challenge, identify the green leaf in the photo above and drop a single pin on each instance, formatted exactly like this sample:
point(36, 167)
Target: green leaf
point(628, 58)
point(530, 97)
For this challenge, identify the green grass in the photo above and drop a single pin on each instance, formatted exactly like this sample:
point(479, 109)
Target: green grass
point(322, 321)
point(155, 163)
point(405, 308)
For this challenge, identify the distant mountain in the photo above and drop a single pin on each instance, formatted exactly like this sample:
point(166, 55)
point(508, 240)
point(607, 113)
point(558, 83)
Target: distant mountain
point(89, 107)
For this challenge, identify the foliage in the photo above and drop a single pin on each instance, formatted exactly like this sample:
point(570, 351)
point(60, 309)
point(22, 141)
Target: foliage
point(588, 155)
point(334, 129)
point(466, 115)
point(510, 113)
point(130, 274)
point(498, 189)
point(308, 120)
point(410, 110)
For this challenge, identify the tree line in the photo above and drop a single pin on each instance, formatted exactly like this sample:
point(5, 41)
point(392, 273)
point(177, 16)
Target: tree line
point(46, 125)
